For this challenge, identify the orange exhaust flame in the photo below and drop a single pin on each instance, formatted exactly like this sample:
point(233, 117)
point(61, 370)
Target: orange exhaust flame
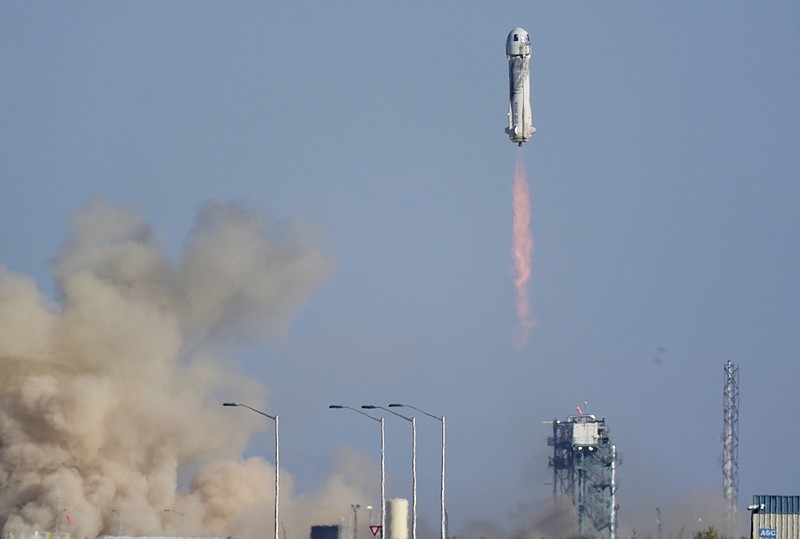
point(522, 251)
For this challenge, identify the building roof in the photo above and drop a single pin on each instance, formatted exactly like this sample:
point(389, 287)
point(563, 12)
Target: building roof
point(782, 505)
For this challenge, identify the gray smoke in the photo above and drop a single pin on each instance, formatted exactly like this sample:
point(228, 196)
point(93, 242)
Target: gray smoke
point(554, 519)
point(640, 493)
point(110, 388)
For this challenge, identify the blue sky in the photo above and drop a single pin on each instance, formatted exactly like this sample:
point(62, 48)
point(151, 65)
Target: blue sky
point(663, 180)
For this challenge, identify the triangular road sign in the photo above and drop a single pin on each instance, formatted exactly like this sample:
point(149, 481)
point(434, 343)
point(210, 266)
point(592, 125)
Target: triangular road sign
point(374, 530)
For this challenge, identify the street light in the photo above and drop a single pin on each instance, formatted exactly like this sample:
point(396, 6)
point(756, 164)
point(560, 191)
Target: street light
point(183, 519)
point(413, 422)
point(119, 522)
point(383, 459)
point(754, 509)
point(277, 456)
point(355, 508)
point(443, 531)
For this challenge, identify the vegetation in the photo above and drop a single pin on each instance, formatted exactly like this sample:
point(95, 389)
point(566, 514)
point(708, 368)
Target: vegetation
point(711, 533)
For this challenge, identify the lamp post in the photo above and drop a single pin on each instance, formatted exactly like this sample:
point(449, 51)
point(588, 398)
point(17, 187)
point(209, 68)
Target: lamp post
point(413, 422)
point(277, 457)
point(183, 519)
point(754, 509)
point(58, 512)
point(355, 508)
point(119, 522)
point(443, 531)
point(383, 459)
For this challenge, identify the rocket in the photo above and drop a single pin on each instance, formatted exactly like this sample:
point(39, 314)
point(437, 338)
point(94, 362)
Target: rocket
point(518, 50)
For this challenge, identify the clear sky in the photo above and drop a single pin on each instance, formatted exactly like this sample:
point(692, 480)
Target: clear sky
point(664, 190)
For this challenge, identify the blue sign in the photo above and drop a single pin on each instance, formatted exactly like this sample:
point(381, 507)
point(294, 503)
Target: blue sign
point(769, 533)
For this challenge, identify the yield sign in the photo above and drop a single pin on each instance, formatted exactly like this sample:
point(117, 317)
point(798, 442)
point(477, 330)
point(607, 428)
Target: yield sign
point(374, 530)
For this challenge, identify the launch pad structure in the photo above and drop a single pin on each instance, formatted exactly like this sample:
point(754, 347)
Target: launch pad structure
point(584, 466)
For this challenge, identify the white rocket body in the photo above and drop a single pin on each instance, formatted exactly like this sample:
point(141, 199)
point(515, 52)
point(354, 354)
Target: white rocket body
point(518, 50)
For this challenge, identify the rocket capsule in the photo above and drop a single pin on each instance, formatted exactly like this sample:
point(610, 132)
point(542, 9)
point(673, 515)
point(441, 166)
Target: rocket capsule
point(518, 50)
point(518, 43)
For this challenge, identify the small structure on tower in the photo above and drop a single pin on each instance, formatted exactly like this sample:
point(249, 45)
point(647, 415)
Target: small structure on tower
point(584, 466)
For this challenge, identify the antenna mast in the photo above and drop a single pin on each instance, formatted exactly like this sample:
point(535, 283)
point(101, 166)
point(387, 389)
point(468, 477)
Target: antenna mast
point(730, 445)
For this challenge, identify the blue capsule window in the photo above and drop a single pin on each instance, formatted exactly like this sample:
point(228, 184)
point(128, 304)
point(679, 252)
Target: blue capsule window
point(516, 37)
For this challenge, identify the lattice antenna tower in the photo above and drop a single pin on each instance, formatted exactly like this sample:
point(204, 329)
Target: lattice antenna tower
point(730, 445)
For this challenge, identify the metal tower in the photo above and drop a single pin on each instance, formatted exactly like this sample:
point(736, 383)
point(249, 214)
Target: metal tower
point(730, 445)
point(584, 465)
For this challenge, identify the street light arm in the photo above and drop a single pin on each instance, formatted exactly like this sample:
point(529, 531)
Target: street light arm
point(249, 408)
point(396, 405)
point(372, 406)
point(174, 511)
point(342, 406)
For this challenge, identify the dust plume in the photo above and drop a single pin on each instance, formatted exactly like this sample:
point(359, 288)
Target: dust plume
point(682, 516)
point(114, 386)
point(555, 518)
point(522, 250)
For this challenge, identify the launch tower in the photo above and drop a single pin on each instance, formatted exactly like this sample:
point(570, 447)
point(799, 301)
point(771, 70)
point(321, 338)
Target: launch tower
point(584, 466)
point(730, 445)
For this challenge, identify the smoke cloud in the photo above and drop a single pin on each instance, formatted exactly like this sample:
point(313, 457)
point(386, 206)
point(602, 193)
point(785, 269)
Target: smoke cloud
point(113, 386)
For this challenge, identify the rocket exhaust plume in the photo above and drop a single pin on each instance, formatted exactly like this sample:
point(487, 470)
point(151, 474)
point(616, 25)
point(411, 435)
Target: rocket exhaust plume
point(522, 250)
